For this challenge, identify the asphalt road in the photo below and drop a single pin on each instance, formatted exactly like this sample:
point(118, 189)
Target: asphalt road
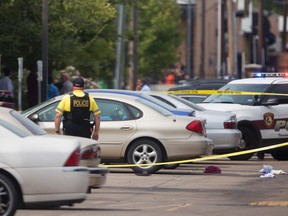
point(238, 190)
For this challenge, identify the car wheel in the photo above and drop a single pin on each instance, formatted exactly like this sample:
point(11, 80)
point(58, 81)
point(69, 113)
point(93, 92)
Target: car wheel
point(170, 166)
point(9, 199)
point(145, 151)
point(250, 142)
point(281, 154)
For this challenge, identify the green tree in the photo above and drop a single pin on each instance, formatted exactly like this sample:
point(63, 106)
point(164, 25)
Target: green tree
point(20, 31)
point(83, 34)
point(80, 35)
point(159, 36)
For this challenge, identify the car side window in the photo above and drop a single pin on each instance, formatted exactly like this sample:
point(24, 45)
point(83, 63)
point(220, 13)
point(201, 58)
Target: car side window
point(281, 89)
point(112, 110)
point(135, 112)
point(48, 113)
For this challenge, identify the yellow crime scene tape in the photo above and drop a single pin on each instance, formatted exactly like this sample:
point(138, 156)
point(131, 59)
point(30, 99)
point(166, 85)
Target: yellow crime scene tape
point(223, 92)
point(202, 158)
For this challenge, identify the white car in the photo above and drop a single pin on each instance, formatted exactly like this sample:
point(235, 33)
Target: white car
point(262, 119)
point(221, 127)
point(90, 149)
point(136, 131)
point(38, 170)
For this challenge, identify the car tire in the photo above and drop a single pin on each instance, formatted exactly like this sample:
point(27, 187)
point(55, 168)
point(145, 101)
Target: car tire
point(281, 154)
point(145, 151)
point(250, 140)
point(170, 166)
point(9, 198)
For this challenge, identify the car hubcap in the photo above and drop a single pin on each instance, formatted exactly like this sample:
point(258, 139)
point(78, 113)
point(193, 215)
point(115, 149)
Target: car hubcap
point(145, 154)
point(4, 199)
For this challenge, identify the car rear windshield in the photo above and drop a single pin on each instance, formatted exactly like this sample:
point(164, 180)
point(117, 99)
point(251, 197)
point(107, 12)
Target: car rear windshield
point(237, 99)
point(155, 107)
point(13, 128)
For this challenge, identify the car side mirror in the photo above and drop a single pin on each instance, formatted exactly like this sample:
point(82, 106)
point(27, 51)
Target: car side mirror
point(34, 117)
point(271, 102)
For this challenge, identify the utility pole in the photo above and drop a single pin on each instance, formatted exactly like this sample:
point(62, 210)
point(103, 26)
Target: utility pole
point(133, 50)
point(119, 48)
point(135, 47)
point(260, 34)
point(231, 52)
point(203, 37)
point(189, 38)
point(284, 27)
point(219, 38)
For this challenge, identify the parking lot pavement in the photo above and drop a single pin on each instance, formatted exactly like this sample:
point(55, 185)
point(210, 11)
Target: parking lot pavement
point(238, 190)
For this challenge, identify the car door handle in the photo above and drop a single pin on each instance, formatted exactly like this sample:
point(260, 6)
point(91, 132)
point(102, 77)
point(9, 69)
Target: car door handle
point(126, 128)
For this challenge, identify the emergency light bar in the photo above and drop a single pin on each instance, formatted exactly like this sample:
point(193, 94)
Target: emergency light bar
point(274, 74)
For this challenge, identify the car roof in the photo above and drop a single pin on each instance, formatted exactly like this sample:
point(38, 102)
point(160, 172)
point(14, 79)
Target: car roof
point(203, 81)
point(140, 94)
point(206, 84)
point(259, 81)
point(119, 91)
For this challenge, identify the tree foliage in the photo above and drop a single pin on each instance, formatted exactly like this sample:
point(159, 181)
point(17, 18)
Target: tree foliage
point(83, 34)
point(85, 30)
point(159, 36)
point(77, 29)
point(20, 31)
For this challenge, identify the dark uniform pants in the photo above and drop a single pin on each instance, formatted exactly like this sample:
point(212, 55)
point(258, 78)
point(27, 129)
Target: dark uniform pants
point(77, 129)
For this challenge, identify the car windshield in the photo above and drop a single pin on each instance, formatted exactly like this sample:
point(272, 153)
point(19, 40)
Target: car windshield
point(27, 123)
point(238, 99)
point(155, 107)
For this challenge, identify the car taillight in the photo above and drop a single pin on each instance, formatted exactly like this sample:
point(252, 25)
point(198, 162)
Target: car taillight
point(98, 152)
point(230, 125)
point(74, 158)
point(91, 153)
point(195, 126)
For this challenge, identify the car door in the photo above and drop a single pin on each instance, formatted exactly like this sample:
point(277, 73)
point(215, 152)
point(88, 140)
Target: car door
point(118, 125)
point(275, 117)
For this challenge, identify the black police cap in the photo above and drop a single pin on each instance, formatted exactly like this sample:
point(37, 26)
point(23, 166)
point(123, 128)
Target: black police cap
point(78, 82)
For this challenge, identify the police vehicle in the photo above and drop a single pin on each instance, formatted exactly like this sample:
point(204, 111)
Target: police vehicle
point(262, 115)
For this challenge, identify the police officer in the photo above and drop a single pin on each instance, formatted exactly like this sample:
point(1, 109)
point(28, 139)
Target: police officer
point(76, 108)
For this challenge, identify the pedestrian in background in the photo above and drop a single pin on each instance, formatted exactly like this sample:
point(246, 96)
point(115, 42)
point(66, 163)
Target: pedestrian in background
point(7, 85)
point(142, 85)
point(76, 108)
point(53, 91)
point(66, 84)
point(32, 87)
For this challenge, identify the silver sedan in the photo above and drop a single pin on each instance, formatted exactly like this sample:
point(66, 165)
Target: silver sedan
point(136, 131)
point(221, 126)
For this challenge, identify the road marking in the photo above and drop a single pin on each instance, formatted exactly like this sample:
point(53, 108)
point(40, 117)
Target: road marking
point(270, 203)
